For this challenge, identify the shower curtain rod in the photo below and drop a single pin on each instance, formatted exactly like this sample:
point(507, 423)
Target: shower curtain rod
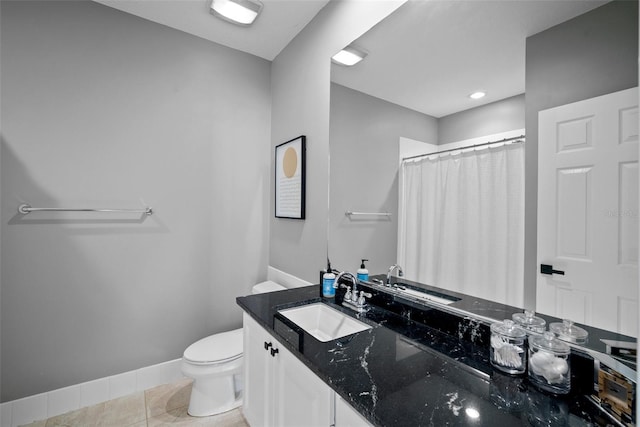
point(521, 137)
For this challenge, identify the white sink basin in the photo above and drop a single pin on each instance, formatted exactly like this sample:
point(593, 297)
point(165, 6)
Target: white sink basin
point(323, 322)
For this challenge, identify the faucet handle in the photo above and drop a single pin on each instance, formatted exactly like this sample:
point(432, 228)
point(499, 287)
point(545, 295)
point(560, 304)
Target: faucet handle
point(347, 296)
point(354, 296)
point(362, 300)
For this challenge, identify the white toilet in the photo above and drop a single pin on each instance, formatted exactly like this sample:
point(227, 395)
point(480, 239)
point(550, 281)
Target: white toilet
point(215, 364)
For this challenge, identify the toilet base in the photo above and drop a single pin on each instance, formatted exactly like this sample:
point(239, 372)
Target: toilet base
point(213, 396)
point(215, 389)
point(218, 411)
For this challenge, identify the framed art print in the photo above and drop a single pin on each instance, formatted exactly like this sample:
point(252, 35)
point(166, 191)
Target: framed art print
point(290, 178)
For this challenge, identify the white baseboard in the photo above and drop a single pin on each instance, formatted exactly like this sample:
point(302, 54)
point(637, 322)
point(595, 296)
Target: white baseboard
point(285, 279)
point(56, 402)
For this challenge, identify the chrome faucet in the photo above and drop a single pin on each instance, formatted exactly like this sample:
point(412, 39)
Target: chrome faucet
point(351, 294)
point(393, 267)
point(349, 276)
point(353, 298)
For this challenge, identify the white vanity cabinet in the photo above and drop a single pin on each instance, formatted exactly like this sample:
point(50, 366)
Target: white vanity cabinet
point(279, 390)
point(346, 416)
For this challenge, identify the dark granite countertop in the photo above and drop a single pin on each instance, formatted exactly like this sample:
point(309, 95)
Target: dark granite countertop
point(404, 373)
point(490, 309)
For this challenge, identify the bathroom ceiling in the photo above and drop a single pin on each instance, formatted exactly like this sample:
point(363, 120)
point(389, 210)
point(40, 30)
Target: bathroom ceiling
point(277, 25)
point(430, 55)
point(427, 55)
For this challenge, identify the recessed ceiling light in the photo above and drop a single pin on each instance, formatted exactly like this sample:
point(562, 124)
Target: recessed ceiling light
point(477, 95)
point(349, 56)
point(240, 12)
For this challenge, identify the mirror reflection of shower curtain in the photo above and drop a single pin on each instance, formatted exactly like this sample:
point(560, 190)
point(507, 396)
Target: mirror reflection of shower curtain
point(461, 221)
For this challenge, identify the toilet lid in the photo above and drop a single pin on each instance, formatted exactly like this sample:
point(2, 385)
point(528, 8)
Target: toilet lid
point(216, 348)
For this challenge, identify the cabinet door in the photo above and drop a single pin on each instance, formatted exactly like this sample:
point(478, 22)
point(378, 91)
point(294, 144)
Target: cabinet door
point(301, 398)
point(258, 368)
point(346, 416)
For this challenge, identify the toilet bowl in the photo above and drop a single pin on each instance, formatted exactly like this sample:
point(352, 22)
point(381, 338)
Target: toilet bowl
point(215, 363)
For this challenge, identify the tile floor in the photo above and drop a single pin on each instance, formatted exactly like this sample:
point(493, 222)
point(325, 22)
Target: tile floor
point(165, 405)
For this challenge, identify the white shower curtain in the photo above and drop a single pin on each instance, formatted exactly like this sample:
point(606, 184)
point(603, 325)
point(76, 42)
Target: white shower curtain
point(461, 221)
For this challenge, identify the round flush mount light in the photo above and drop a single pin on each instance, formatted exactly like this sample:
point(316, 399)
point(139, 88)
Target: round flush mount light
point(477, 95)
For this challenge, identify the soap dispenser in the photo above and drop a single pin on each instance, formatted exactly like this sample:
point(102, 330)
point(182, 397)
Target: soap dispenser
point(363, 273)
point(328, 278)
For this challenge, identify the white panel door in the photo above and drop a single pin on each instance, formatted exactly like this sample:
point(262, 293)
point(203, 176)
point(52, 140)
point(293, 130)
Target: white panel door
point(588, 211)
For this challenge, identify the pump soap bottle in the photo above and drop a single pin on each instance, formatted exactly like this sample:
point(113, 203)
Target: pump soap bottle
point(328, 278)
point(363, 273)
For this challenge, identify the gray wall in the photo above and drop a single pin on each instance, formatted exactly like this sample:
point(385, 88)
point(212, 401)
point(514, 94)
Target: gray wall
point(300, 106)
point(364, 136)
point(101, 108)
point(590, 55)
point(496, 117)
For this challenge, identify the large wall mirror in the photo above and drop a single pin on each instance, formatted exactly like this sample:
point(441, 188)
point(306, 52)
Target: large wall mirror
point(413, 88)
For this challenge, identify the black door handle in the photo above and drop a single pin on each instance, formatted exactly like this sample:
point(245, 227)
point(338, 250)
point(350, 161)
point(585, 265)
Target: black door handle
point(548, 269)
point(267, 345)
point(274, 351)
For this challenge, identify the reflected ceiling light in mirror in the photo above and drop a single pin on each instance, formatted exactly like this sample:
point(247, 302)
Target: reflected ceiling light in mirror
point(472, 413)
point(349, 56)
point(477, 95)
point(239, 12)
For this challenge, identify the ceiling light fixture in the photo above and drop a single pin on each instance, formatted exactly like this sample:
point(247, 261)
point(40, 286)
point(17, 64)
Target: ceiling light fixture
point(239, 12)
point(477, 95)
point(349, 56)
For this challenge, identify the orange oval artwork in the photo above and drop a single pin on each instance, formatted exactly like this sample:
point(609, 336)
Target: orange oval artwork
point(290, 162)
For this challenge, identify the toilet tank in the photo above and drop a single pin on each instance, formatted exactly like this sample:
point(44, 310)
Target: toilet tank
point(267, 286)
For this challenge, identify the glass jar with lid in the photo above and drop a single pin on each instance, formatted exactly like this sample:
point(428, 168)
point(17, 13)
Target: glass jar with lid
point(549, 367)
point(507, 350)
point(528, 320)
point(567, 331)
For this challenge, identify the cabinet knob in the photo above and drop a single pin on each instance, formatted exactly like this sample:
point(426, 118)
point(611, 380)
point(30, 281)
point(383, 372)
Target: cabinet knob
point(267, 345)
point(274, 351)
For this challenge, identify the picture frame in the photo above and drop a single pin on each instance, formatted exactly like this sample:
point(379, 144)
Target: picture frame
point(290, 180)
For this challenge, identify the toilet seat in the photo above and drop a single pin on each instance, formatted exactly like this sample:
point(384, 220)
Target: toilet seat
point(214, 349)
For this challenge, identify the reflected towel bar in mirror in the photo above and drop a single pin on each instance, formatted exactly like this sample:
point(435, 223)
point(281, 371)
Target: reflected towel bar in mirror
point(352, 213)
point(26, 208)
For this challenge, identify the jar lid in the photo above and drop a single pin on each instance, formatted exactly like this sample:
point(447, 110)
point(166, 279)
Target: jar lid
point(550, 343)
point(508, 328)
point(529, 320)
point(567, 331)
